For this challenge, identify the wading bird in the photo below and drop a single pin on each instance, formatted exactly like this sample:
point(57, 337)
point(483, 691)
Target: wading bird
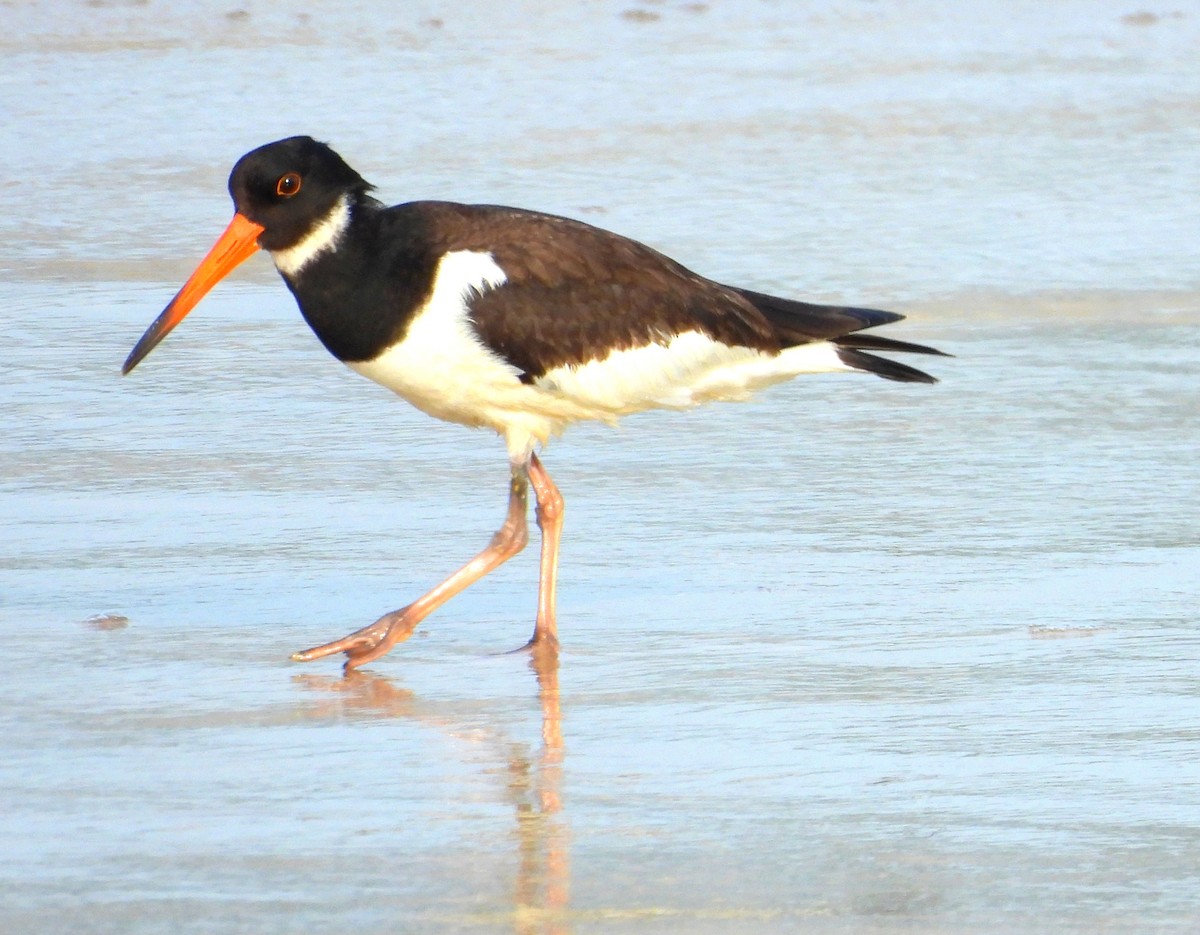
point(513, 320)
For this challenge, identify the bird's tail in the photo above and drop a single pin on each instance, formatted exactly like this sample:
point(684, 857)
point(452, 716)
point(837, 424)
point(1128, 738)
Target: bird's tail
point(804, 322)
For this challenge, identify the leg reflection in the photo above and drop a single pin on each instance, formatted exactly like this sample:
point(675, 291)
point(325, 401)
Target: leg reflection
point(542, 889)
point(543, 871)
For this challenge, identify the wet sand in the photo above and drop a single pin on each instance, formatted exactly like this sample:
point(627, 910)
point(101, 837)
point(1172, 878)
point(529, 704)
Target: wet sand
point(855, 657)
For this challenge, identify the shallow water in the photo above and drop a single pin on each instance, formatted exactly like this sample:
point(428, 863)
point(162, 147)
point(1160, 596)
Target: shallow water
point(855, 657)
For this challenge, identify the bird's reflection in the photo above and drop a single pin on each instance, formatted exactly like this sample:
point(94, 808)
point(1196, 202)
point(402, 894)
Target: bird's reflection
point(541, 891)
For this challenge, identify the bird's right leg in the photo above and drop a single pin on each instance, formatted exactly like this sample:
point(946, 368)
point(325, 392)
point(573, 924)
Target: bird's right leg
point(371, 642)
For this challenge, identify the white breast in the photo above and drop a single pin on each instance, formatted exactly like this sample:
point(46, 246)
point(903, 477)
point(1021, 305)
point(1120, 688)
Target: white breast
point(443, 368)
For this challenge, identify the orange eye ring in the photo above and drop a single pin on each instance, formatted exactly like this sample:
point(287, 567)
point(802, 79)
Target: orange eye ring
point(288, 185)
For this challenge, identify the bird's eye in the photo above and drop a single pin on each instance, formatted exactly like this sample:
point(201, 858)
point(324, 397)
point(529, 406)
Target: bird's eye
point(288, 185)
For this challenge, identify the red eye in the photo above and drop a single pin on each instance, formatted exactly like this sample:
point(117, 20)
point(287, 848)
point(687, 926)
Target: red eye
point(288, 185)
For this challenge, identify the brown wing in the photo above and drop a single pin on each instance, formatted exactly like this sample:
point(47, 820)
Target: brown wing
point(575, 292)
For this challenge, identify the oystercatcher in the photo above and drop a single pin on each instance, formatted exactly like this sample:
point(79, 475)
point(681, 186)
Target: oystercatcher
point(513, 320)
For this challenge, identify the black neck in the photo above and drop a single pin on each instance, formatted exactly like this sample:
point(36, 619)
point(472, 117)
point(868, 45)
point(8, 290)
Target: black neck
point(359, 297)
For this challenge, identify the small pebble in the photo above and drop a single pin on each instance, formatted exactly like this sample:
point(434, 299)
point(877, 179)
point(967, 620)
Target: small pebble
point(106, 622)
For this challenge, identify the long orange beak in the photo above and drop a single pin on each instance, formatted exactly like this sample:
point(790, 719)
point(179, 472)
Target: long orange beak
point(233, 247)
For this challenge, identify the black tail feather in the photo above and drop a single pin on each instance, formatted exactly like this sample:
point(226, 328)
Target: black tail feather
point(801, 322)
point(875, 342)
point(882, 367)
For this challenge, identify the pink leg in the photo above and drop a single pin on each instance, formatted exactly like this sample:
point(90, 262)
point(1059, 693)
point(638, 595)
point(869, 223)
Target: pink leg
point(371, 642)
point(550, 520)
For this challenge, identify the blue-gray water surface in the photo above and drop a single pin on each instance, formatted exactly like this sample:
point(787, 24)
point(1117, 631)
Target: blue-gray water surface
point(854, 657)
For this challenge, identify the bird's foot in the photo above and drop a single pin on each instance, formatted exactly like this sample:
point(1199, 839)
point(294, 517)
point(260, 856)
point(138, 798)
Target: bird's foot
point(369, 643)
point(543, 643)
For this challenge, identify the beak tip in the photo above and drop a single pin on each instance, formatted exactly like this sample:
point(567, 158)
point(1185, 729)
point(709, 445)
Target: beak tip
point(136, 355)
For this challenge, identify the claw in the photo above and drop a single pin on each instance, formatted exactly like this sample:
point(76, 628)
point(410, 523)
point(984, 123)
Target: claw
point(366, 644)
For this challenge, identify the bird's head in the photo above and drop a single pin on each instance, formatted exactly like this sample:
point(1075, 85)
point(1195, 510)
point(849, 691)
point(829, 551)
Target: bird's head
point(290, 188)
point(292, 197)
